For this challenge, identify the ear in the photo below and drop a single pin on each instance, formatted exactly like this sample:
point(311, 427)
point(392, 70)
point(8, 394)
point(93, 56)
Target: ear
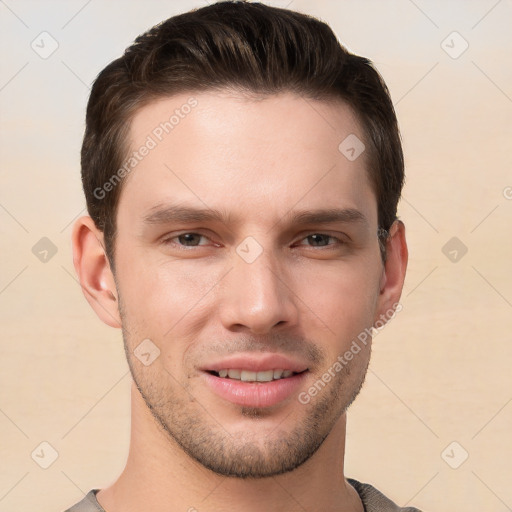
point(94, 273)
point(393, 274)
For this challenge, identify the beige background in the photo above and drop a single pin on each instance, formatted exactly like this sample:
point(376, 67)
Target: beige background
point(441, 371)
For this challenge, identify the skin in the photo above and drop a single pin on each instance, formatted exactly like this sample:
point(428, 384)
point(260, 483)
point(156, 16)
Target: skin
point(259, 161)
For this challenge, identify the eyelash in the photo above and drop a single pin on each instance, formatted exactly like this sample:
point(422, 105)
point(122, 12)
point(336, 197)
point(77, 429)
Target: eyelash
point(169, 241)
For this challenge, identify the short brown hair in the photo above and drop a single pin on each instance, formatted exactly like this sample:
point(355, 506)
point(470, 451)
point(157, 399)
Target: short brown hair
point(251, 47)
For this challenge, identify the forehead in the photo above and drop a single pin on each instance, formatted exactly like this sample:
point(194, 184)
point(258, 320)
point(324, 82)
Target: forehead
point(245, 155)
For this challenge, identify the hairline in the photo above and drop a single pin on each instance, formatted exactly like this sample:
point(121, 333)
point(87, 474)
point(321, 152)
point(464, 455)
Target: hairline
point(241, 92)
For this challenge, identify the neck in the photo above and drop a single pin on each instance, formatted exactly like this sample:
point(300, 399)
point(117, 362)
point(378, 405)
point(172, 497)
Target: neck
point(160, 477)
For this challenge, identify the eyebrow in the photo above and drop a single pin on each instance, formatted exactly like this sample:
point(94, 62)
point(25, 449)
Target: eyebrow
point(165, 214)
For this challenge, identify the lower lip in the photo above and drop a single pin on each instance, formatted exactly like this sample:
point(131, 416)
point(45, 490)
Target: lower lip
point(254, 394)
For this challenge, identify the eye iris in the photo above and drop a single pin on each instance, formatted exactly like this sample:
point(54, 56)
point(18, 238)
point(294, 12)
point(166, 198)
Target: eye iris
point(193, 239)
point(189, 239)
point(318, 240)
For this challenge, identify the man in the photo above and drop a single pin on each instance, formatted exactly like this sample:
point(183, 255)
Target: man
point(242, 172)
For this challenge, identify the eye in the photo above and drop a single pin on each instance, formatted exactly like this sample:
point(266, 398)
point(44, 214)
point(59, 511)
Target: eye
point(187, 240)
point(321, 240)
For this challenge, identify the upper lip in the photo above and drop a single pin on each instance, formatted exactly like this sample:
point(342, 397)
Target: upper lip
point(257, 363)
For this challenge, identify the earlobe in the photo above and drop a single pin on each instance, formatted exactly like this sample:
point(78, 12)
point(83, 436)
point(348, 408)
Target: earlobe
point(393, 275)
point(94, 272)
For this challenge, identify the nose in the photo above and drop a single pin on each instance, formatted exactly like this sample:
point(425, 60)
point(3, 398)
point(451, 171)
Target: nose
point(256, 296)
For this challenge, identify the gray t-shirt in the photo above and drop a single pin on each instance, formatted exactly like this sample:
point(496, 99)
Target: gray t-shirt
point(373, 501)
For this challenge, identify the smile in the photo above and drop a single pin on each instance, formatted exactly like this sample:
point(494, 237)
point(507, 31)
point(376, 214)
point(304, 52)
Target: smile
point(251, 376)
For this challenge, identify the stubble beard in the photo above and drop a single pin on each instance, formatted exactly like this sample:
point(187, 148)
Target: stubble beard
point(243, 455)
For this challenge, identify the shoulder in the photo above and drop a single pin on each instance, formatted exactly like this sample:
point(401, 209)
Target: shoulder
point(88, 504)
point(374, 501)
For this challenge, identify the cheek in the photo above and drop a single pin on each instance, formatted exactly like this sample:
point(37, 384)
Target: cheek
point(341, 300)
point(161, 296)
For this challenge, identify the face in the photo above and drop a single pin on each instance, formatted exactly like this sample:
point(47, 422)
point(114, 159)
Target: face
point(247, 253)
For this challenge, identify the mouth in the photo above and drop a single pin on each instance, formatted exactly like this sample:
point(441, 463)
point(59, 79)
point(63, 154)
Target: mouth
point(255, 381)
point(253, 376)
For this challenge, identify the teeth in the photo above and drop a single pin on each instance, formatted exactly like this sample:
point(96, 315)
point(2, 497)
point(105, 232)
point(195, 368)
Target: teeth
point(278, 374)
point(265, 376)
point(249, 376)
point(234, 374)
